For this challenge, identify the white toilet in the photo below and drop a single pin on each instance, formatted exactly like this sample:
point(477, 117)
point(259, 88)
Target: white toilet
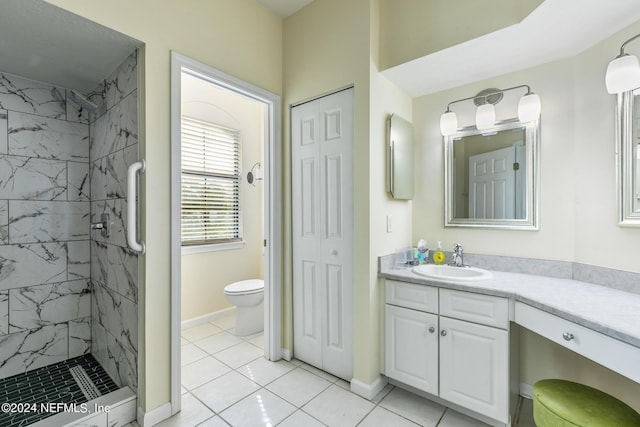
point(248, 297)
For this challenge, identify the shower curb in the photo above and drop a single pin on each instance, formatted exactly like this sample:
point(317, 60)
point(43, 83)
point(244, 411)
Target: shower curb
point(117, 408)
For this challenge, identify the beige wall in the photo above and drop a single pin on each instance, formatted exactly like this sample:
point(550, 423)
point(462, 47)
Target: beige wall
point(410, 29)
point(578, 198)
point(577, 167)
point(204, 275)
point(326, 47)
point(238, 37)
point(385, 99)
point(554, 83)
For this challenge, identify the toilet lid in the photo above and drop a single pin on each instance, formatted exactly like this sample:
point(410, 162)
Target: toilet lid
point(245, 287)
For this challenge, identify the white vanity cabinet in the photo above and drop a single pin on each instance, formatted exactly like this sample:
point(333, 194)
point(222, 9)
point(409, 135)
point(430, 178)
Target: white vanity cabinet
point(450, 344)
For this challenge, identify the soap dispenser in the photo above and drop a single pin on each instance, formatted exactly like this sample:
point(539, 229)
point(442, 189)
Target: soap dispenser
point(439, 256)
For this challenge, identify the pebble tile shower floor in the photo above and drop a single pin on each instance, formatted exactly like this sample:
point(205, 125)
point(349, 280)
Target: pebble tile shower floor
point(49, 384)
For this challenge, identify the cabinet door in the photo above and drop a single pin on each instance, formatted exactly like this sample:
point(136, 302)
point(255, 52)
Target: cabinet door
point(474, 367)
point(411, 347)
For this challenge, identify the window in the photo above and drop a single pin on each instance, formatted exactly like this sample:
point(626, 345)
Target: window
point(210, 183)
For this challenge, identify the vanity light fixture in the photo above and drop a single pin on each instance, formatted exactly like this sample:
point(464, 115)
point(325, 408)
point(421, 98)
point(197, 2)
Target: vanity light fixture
point(623, 72)
point(528, 109)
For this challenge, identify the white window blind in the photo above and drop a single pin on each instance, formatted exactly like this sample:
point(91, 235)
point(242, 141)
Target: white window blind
point(210, 183)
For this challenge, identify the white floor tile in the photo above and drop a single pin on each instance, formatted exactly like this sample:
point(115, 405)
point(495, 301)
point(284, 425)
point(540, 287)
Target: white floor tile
point(262, 408)
point(226, 322)
point(298, 386)
point(202, 371)
point(338, 407)
point(201, 331)
point(193, 412)
point(264, 371)
point(224, 391)
point(383, 393)
point(456, 419)
point(184, 390)
point(239, 355)
point(300, 419)
point(322, 374)
point(258, 340)
point(214, 422)
point(183, 341)
point(525, 419)
point(413, 407)
point(381, 417)
point(343, 384)
point(218, 342)
point(191, 353)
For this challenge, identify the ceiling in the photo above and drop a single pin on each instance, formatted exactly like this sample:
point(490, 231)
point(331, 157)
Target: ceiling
point(555, 30)
point(284, 8)
point(46, 43)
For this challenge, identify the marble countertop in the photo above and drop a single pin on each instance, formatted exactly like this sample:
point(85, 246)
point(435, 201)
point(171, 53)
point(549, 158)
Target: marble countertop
point(609, 311)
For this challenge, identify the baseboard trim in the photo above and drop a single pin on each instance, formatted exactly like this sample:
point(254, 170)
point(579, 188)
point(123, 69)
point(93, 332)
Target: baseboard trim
point(189, 323)
point(286, 354)
point(155, 416)
point(526, 390)
point(368, 391)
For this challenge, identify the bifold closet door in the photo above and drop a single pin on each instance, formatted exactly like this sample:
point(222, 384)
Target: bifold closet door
point(322, 219)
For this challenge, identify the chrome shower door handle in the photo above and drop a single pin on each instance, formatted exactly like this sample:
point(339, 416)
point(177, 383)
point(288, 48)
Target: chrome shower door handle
point(132, 201)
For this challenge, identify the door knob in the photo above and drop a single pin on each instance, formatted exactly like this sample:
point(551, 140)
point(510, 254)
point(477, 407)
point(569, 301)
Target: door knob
point(443, 333)
point(334, 252)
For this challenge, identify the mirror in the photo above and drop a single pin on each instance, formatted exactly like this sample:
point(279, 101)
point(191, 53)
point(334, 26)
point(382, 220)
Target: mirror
point(491, 177)
point(628, 158)
point(400, 156)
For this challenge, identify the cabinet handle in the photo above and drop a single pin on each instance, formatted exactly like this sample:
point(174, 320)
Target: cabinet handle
point(443, 333)
point(568, 336)
point(432, 330)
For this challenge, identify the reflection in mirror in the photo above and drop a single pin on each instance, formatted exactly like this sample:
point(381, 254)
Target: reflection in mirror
point(628, 158)
point(491, 177)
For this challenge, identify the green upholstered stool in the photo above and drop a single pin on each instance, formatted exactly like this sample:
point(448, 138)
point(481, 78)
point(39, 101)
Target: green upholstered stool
point(560, 403)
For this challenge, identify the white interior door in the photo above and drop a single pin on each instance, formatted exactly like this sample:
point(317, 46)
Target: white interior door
point(492, 184)
point(322, 218)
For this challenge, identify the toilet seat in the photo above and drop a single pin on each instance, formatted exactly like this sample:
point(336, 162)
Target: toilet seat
point(245, 287)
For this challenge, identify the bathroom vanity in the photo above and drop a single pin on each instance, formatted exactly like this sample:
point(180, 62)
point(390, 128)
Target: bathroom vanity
point(454, 341)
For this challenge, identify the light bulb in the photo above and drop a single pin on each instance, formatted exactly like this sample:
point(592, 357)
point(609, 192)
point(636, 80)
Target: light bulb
point(485, 116)
point(529, 108)
point(623, 74)
point(448, 123)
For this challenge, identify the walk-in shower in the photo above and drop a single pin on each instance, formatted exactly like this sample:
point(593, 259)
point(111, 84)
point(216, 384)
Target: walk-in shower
point(68, 291)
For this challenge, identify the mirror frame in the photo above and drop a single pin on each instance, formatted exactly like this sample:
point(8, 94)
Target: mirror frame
point(627, 217)
point(532, 179)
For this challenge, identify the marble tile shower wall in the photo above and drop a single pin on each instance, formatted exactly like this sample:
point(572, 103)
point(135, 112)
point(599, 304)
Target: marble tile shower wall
point(114, 268)
point(45, 290)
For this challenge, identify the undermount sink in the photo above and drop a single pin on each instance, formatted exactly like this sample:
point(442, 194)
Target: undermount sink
point(451, 273)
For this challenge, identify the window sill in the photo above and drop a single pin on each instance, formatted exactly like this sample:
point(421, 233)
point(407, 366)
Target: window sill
point(197, 249)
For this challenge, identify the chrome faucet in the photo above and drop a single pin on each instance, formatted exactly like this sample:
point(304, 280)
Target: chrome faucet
point(457, 258)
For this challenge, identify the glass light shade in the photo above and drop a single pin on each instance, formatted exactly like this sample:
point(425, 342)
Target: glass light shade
point(623, 74)
point(485, 116)
point(448, 123)
point(529, 108)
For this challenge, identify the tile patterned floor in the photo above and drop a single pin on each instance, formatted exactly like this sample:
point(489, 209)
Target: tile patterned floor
point(226, 381)
point(52, 383)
